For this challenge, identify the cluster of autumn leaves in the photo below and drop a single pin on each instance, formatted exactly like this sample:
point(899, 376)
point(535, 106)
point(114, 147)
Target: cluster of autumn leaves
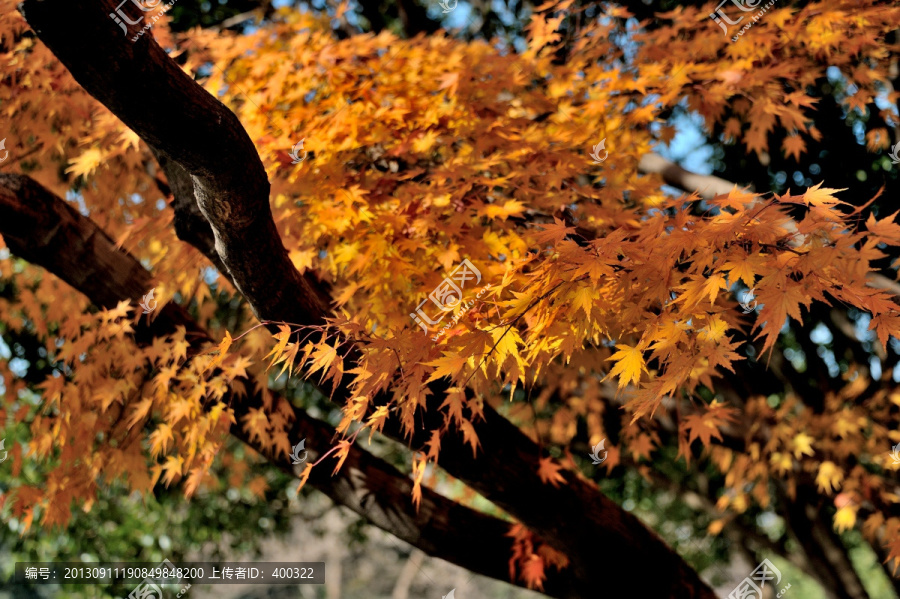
point(418, 161)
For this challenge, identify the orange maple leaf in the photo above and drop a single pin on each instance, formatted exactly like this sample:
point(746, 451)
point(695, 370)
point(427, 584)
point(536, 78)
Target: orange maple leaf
point(549, 471)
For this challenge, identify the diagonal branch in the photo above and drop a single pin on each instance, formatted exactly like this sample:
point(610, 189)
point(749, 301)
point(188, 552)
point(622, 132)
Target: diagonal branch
point(151, 94)
point(707, 186)
point(45, 230)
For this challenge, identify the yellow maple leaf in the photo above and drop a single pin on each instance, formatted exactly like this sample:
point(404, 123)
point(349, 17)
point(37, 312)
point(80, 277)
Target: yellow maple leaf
point(829, 477)
point(141, 410)
point(343, 451)
point(159, 439)
point(86, 163)
point(543, 31)
point(779, 304)
point(506, 343)
point(714, 331)
point(223, 351)
point(509, 208)
point(256, 423)
point(450, 82)
point(781, 462)
point(470, 436)
point(283, 336)
point(822, 196)
point(425, 142)
point(553, 234)
point(448, 365)
point(583, 299)
point(192, 482)
point(418, 473)
point(629, 364)
point(802, 445)
point(712, 286)
point(845, 518)
point(304, 476)
point(322, 357)
point(172, 468)
point(740, 270)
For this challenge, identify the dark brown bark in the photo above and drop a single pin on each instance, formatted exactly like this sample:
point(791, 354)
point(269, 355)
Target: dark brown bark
point(43, 229)
point(151, 94)
point(190, 224)
point(811, 526)
point(140, 84)
point(415, 18)
point(371, 10)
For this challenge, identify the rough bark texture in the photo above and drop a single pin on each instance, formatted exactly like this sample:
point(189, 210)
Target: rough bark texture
point(152, 95)
point(43, 229)
point(190, 224)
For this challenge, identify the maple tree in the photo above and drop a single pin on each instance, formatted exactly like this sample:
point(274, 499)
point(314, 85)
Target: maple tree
point(612, 310)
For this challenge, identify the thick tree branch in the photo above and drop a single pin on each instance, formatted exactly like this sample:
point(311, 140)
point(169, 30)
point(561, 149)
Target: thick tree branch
point(151, 94)
point(190, 224)
point(415, 18)
point(371, 10)
point(810, 526)
point(707, 186)
point(43, 229)
point(813, 529)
